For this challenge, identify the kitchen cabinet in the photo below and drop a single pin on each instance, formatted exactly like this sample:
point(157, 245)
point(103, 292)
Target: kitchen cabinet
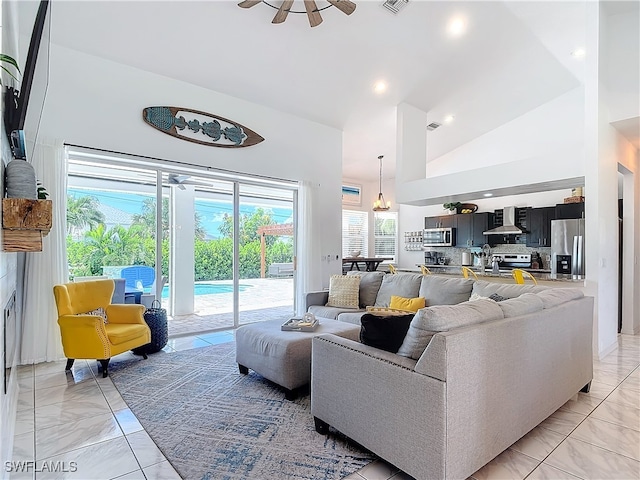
point(469, 228)
point(442, 221)
point(539, 226)
point(569, 210)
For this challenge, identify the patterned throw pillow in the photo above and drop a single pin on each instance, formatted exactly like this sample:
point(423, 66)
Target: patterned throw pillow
point(385, 311)
point(98, 312)
point(408, 304)
point(344, 291)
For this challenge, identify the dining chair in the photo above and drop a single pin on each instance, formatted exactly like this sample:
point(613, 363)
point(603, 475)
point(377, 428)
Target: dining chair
point(425, 270)
point(466, 271)
point(392, 269)
point(519, 276)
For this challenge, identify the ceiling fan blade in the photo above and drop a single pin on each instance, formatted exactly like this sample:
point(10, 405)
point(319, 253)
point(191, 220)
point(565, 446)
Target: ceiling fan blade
point(345, 6)
point(281, 16)
point(315, 18)
point(249, 3)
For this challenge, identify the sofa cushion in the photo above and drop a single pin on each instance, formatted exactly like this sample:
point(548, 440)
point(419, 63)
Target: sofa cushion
point(344, 291)
point(323, 311)
point(352, 317)
point(407, 304)
point(439, 290)
point(441, 318)
point(369, 285)
point(507, 290)
point(555, 296)
point(401, 284)
point(522, 305)
point(384, 332)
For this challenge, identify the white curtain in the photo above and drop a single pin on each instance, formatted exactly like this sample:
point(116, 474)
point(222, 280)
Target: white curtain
point(42, 270)
point(309, 276)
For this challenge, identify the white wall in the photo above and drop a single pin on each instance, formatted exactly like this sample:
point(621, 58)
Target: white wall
point(536, 137)
point(96, 103)
point(622, 67)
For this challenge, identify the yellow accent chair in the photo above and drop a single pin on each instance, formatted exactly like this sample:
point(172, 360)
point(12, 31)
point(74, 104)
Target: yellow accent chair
point(86, 334)
point(392, 269)
point(425, 270)
point(466, 271)
point(519, 276)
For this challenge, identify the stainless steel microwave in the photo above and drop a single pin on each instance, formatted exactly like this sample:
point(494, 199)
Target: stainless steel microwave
point(439, 237)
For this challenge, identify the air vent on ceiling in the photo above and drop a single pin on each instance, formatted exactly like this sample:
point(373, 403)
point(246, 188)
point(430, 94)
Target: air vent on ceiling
point(394, 6)
point(433, 125)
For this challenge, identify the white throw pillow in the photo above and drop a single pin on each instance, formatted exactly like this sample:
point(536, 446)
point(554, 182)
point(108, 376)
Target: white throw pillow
point(344, 291)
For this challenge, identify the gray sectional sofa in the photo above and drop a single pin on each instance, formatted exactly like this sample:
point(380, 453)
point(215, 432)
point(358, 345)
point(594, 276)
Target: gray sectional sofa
point(470, 379)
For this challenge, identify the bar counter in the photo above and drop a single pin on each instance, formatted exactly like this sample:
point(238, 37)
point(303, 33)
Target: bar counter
point(504, 276)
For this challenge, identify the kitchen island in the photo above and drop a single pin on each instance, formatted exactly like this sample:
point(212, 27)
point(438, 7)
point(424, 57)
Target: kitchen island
point(543, 277)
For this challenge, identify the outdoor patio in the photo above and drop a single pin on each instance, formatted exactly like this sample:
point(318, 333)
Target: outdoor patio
point(260, 299)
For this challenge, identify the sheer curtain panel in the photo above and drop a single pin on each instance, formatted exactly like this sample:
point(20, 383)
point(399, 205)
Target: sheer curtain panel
point(309, 279)
point(40, 333)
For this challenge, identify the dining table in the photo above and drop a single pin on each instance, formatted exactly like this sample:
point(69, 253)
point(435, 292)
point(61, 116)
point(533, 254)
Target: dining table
point(370, 264)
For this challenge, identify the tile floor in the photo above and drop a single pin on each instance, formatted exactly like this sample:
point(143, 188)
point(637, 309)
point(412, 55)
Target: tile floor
point(82, 418)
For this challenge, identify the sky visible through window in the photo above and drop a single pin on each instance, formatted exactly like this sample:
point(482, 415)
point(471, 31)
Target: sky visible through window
point(211, 211)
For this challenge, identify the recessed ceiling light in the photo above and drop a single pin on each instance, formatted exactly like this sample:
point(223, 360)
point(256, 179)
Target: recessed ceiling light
point(578, 53)
point(449, 118)
point(380, 87)
point(457, 26)
point(487, 194)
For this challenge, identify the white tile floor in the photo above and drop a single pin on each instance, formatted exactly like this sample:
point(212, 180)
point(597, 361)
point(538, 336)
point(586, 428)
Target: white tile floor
point(82, 418)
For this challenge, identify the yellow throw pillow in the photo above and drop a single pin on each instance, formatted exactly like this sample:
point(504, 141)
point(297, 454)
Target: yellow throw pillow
point(344, 291)
point(407, 304)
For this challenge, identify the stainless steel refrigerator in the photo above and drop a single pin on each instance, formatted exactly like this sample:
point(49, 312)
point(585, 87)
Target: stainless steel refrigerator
point(567, 247)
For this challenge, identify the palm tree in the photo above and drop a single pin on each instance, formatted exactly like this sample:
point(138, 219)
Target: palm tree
point(83, 212)
point(147, 219)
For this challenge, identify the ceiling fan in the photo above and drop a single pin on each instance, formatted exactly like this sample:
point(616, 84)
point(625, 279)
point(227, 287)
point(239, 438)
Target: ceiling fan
point(311, 9)
point(181, 180)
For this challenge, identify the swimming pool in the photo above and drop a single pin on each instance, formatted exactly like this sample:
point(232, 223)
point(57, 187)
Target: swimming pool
point(209, 289)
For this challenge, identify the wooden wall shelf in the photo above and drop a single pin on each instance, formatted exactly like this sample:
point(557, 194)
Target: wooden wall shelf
point(24, 223)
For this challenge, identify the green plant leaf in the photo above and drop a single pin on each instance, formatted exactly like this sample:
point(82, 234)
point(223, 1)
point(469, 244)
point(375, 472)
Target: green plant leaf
point(9, 60)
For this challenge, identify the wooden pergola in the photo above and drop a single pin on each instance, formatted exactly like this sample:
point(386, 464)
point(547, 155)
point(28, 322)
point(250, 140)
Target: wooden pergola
point(277, 230)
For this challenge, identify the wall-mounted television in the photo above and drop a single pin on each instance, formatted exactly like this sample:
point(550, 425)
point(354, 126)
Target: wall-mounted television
point(17, 100)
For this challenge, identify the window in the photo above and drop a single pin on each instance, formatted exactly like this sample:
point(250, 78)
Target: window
point(355, 233)
point(385, 234)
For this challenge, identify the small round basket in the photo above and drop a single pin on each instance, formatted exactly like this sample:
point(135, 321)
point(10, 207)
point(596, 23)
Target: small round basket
point(156, 318)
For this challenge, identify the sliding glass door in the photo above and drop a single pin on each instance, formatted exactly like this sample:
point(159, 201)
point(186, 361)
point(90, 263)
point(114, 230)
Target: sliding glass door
point(222, 253)
point(111, 227)
point(265, 254)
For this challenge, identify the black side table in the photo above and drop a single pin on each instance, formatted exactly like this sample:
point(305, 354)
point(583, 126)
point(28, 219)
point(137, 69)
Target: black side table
point(156, 318)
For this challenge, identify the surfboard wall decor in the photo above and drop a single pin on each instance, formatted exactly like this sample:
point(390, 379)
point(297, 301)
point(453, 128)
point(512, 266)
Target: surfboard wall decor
point(201, 127)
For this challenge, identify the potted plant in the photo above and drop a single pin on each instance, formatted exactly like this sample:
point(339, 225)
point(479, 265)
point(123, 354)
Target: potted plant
point(11, 61)
point(452, 206)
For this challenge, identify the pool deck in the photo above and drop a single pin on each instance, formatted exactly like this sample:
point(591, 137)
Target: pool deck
point(264, 299)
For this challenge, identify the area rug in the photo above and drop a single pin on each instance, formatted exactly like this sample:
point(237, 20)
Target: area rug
point(211, 422)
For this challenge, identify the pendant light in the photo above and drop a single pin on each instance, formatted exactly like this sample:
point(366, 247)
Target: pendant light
point(380, 205)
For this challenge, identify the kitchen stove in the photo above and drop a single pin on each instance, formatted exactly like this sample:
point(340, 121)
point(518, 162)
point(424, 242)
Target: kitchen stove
point(513, 260)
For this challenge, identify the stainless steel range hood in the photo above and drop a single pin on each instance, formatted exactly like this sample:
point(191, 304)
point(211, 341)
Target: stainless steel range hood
point(508, 224)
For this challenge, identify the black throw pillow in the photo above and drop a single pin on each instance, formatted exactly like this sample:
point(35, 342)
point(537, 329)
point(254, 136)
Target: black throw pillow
point(384, 332)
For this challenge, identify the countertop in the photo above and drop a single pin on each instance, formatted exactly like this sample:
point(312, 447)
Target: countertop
point(538, 273)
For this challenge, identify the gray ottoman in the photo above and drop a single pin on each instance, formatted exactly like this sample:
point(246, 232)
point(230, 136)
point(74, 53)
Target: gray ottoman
point(283, 357)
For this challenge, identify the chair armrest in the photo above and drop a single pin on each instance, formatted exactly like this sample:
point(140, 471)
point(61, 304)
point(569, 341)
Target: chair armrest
point(88, 322)
point(125, 313)
point(316, 298)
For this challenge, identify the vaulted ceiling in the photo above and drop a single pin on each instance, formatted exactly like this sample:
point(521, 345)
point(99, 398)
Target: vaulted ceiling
point(512, 57)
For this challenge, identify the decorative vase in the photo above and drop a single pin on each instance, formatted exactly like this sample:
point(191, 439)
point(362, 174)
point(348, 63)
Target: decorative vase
point(20, 180)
